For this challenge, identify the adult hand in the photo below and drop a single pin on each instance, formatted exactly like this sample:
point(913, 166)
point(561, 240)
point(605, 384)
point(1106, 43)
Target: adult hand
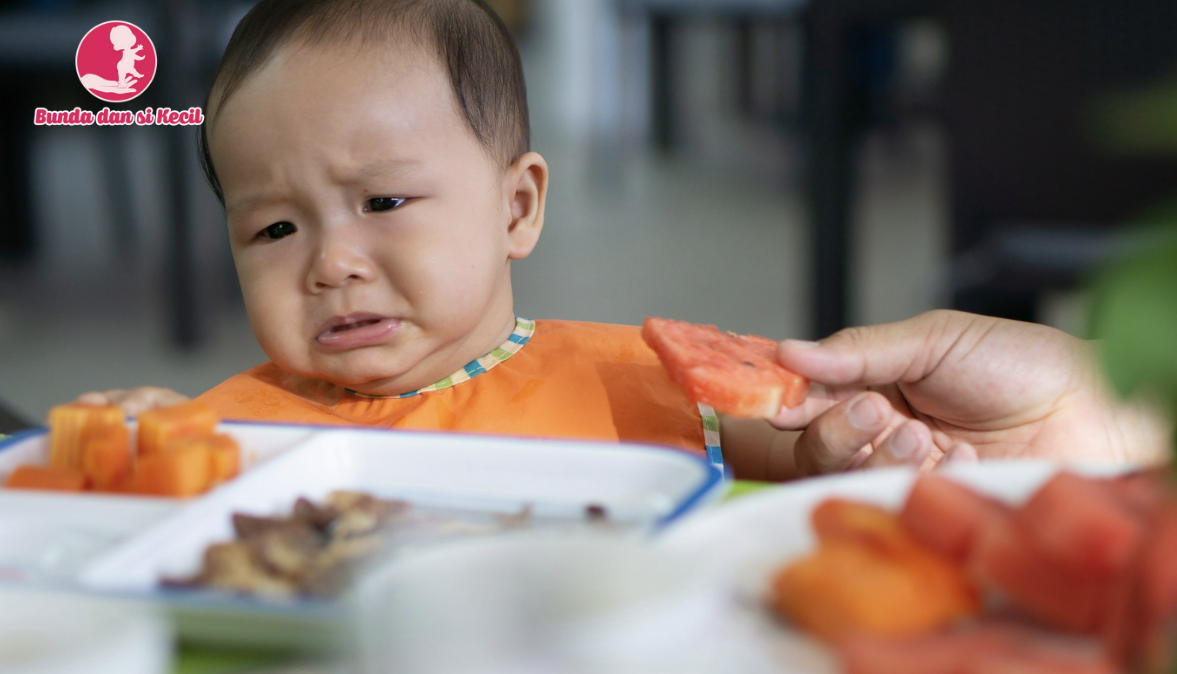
point(135, 401)
point(947, 383)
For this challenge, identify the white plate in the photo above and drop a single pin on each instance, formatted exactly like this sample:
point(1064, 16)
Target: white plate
point(43, 632)
point(737, 548)
point(46, 537)
point(643, 487)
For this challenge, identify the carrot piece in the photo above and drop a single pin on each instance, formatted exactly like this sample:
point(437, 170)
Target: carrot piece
point(224, 454)
point(71, 424)
point(46, 477)
point(180, 473)
point(106, 456)
point(160, 426)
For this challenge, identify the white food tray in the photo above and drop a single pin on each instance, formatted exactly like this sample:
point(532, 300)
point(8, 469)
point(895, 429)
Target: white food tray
point(46, 537)
point(637, 485)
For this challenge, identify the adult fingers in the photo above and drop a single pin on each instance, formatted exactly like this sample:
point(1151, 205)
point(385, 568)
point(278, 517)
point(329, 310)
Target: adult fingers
point(907, 445)
point(833, 440)
point(906, 351)
point(818, 401)
point(962, 453)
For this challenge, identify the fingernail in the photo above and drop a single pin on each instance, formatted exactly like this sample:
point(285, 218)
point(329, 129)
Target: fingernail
point(864, 414)
point(961, 453)
point(904, 442)
point(802, 344)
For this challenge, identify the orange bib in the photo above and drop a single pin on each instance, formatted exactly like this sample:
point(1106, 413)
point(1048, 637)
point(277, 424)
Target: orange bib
point(564, 379)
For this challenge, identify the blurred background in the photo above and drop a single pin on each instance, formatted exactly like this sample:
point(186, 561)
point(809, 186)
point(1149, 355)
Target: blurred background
point(781, 167)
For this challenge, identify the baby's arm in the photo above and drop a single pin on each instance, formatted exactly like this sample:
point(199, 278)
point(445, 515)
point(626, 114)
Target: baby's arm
point(755, 450)
point(135, 401)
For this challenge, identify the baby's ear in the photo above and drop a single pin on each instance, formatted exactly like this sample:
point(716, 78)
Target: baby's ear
point(527, 192)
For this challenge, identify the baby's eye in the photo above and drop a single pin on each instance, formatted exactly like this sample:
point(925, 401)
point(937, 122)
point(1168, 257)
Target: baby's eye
point(378, 204)
point(278, 230)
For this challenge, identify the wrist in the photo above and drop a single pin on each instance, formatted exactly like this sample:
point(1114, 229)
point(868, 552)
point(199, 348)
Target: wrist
point(1145, 430)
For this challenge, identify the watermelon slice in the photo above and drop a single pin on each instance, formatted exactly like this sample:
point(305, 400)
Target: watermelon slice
point(736, 374)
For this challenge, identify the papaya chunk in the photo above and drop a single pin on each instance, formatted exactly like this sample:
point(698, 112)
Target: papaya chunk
point(71, 424)
point(869, 576)
point(180, 473)
point(224, 454)
point(847, 589)
point(106, 456)
point(160, 426)
point(46, 477)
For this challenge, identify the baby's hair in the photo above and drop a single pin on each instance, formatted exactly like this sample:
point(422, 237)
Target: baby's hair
point(468, 38)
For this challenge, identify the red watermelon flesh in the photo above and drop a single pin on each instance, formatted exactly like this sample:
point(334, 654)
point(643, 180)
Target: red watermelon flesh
point(1007, 559)
point(1159, 567)
point(947, 516)
point(736, 374)
point(988, 649)
point(1083, 525)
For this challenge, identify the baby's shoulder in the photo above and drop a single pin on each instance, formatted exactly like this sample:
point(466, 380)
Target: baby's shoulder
point(601, 341)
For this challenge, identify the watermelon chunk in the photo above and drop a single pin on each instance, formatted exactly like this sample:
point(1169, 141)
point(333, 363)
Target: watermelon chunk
point(983, 650)
point(1007, 559)
point(1083, 525)
point(947, 516)
point(736, 374)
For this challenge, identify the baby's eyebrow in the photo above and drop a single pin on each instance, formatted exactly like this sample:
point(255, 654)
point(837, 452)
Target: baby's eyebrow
point(345, 176)
point(383, 167)
point(249, 203)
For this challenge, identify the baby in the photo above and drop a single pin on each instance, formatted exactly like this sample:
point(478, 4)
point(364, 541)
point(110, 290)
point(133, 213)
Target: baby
point(122, 38)
point(373, 161)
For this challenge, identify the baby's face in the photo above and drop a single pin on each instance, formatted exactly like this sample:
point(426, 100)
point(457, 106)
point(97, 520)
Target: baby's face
point(368, 225)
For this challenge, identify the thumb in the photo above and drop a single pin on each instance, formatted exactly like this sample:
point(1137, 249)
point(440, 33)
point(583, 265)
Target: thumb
point(902, 352)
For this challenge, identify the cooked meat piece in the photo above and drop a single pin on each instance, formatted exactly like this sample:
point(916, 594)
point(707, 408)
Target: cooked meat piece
point(248, 526)
point(320, 517)
point(596, 512)
point(289, 550)
point(354, 501)
point(232, 566)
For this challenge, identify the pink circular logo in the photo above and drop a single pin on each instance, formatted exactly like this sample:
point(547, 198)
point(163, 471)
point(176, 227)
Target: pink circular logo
point(116, 61)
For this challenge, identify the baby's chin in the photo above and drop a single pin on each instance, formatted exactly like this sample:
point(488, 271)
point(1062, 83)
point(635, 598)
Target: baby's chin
point(383, 381)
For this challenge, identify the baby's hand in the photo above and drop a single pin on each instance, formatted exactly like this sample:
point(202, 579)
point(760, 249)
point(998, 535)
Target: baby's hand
point(135, 401)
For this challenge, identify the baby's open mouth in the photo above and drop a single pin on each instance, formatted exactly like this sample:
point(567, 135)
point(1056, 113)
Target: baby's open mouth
point(355, 331)
point(352, 326)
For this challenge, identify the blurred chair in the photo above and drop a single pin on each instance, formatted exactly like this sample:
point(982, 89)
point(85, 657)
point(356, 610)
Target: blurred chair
point(1036, 204)
point(665, 18)
point(1038, 201)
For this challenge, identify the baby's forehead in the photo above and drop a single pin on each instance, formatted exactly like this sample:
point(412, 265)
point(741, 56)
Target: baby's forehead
point(382, 65)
